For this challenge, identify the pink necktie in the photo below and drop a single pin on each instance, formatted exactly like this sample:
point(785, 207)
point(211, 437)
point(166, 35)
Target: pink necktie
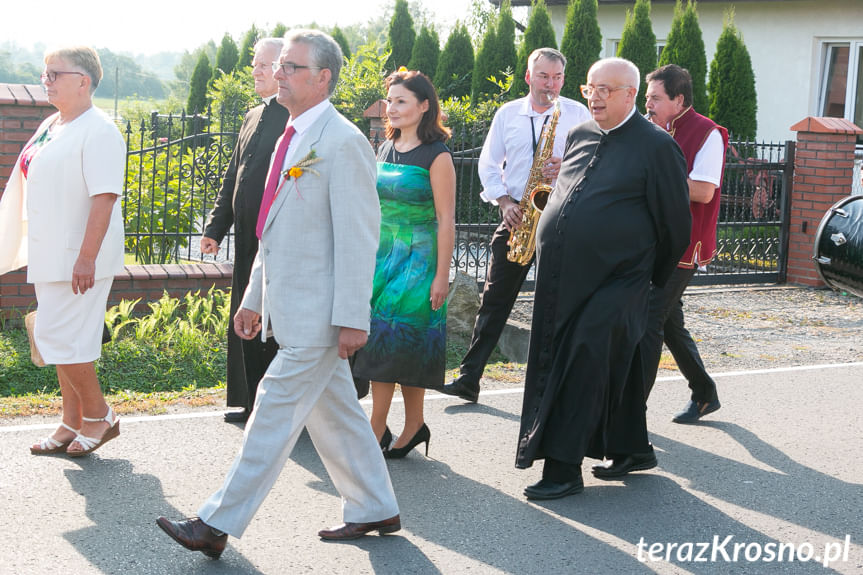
point(273, 179)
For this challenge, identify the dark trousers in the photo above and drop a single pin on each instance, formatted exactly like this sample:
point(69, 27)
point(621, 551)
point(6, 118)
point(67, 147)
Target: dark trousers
point(502, 283)
point(665, 323)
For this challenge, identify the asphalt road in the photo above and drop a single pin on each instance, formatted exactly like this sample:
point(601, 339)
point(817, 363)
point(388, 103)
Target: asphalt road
point(778, 466)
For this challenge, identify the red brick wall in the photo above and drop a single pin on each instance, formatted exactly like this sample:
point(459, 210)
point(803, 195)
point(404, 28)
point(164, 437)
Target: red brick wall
point(145, 282)
point(823, 175)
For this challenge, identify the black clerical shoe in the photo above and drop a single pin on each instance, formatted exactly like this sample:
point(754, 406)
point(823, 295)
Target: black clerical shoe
point(463, 387)
point(620, 466)
point(237, 416)
point(545, 489)
point(695, 410)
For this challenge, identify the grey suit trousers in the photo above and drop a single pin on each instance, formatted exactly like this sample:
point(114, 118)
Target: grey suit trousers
point(305, 387)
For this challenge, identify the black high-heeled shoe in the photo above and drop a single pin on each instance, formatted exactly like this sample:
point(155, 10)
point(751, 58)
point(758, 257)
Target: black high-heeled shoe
point(422, 436)
point(386, 438)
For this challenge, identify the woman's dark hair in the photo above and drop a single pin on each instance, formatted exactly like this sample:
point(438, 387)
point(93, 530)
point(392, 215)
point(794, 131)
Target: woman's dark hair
point(431, 128)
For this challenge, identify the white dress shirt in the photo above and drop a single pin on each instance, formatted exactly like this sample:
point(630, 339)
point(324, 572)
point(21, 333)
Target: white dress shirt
point(507, 154)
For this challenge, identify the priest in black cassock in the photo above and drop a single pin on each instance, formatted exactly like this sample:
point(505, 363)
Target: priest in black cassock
point(238, 204)
point(617, 219)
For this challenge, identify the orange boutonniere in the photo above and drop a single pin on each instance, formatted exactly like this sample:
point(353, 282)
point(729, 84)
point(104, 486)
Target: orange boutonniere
point(300, 168)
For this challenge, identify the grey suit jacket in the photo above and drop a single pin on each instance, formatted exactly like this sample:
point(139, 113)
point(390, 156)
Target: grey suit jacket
point(316, 259)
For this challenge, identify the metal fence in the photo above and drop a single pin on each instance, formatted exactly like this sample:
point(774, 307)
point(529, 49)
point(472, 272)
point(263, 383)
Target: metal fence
point(752, 232)
point(175, 165)
point(174, 169)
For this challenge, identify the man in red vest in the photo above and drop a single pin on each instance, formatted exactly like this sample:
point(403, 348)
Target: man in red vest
point(669, 105)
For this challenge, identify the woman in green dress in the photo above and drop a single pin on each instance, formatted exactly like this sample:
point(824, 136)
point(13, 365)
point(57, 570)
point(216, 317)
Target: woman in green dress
point(416, 187)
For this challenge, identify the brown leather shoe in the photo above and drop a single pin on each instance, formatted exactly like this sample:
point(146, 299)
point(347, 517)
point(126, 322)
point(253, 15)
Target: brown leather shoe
point(357, 530)
point(194, 535)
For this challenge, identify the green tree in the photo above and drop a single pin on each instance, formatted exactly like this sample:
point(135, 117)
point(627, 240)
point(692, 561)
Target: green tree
point(485, 65)
point(361, 83)
point(685, 47)
point(733, 99)
point(226, 57)
point(507, 56)
point(247, 50)
point(496, 56)
point(455, 64)
point(426, 52)
point(638, 44)
point(279, 30)
point(538, 34)
point(581, 44)
point(340, 39)
point(197, 102)
point(401, 36)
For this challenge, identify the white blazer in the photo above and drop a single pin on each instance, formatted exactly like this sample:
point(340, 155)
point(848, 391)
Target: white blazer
point(315, 265)
point(43, 217)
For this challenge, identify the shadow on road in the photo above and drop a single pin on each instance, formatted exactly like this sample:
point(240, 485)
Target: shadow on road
point(123, 506)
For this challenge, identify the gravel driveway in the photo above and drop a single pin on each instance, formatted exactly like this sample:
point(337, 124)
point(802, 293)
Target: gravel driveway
point(753, 327)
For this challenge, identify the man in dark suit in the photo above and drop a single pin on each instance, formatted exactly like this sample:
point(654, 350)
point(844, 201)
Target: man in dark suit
point(238, 204)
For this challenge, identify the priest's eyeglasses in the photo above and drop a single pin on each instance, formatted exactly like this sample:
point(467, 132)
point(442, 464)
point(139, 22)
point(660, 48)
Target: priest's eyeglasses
point(587, 90)
point(289, 68)
point(52, 76)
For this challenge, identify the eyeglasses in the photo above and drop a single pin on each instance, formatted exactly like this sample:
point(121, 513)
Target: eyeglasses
point(289, 68)
point(52, 76)
point(602, 91)
point(266, 66)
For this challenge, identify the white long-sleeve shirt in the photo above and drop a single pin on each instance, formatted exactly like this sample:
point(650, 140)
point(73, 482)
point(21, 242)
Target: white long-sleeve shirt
point(508, 150)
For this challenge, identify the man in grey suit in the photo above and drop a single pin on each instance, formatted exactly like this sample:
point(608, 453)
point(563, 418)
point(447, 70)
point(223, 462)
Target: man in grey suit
point(311, 284)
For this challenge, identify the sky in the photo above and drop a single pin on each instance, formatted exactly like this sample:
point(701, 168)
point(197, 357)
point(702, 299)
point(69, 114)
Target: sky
point(155, 26)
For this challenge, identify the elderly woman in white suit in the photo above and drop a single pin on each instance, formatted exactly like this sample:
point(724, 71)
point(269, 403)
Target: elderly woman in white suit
point(59, 216)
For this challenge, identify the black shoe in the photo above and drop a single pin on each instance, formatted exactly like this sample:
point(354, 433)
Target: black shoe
point(620, 466)
point(695, 410)
point(546, 489)
point(237, 416)
point(421, 436)
point(386, 438)
point(463, 387)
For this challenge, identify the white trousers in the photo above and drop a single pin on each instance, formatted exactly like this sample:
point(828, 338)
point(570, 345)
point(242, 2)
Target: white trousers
point(305, 387)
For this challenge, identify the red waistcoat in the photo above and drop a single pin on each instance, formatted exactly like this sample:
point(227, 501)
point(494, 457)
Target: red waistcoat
point(690, 130)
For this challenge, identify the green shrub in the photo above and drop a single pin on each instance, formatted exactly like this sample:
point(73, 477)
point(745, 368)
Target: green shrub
point(638, 45)
point(581, 44)
point(685, 47)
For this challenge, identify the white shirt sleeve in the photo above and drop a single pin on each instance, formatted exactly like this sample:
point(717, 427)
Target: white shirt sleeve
point(707, 166)
point(491, 160)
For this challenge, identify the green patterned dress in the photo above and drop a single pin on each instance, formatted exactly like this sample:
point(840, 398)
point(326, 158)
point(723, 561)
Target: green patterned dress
point(407, 340)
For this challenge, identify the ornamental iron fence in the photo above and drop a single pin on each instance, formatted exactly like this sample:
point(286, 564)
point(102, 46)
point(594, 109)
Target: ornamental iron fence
point(175, 165)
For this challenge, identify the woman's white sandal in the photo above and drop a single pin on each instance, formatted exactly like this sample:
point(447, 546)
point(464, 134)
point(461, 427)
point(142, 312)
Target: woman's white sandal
point(91, 444)
point(50, 446)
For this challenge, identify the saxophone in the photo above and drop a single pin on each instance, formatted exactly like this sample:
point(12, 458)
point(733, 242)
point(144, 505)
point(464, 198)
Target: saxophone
point(522, 242)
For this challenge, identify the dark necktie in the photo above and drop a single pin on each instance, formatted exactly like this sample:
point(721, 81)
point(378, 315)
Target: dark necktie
point(273, 179)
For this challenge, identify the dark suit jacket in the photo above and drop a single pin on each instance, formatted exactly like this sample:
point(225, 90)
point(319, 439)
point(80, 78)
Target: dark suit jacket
point(237, 204)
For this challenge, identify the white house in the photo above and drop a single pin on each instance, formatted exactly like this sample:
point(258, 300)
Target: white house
point(807, 55)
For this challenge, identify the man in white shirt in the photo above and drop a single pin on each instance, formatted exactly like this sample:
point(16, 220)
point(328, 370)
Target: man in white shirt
point(504, 167)
point(669, 105)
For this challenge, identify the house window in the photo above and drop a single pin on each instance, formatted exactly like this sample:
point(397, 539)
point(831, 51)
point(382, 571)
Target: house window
point(842, 81)
point(615, 44)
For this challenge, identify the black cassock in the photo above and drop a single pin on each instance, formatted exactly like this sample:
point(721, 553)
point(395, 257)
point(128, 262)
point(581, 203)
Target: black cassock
point(617, 219)
point(237, 204)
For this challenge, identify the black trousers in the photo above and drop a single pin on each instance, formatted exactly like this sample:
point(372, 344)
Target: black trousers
point(502, 283)
point(665, 323)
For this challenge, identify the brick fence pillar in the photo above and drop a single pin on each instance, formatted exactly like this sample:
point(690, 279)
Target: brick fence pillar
point(823, 175)
point(22, 108)
point(377, 126)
